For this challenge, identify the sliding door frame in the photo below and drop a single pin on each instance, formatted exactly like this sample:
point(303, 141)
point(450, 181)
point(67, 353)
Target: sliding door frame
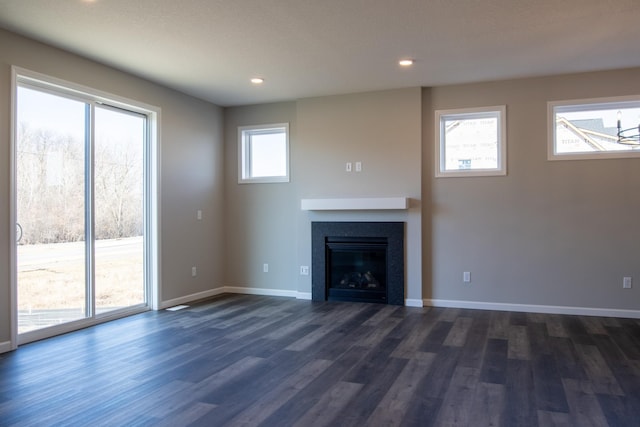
point(151, 211)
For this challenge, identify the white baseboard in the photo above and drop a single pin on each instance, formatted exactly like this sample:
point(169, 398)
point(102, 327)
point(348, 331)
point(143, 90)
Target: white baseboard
point(5, 346)
point(234, 290)
point(532, 308)
point(413, 302)
point(192, 297)
point(304, 295)
point(254, 291)
point(260, 291)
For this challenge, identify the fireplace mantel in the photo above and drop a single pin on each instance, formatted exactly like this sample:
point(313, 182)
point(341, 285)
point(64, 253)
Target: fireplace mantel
point(355, 204)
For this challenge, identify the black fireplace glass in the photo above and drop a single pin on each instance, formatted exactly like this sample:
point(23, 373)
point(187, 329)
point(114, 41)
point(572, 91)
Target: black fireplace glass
point(369, 261)
point(356, 268)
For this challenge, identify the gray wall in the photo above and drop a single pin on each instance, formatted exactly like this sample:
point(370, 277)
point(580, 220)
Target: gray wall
point(260, 226)
point(380, 129)
point(191, 169)
point(561, 233)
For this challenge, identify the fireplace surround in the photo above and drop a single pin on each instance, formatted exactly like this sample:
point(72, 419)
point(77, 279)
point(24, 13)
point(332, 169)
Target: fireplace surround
point(358, 261)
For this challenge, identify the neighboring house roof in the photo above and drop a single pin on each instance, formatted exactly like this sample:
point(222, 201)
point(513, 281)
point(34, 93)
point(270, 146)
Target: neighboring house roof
point(592, 133)
point(595, 125)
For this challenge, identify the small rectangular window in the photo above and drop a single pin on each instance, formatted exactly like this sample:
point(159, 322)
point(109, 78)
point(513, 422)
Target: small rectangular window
point(594, 128)
point(263, 153)
point(471, 142)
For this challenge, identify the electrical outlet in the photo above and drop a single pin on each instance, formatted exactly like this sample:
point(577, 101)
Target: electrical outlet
point(304, 270)
point(466, 276)
point(626, 282)
point(265, 268)
point(194, 272)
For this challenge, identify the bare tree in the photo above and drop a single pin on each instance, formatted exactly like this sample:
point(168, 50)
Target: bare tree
point(51, 187)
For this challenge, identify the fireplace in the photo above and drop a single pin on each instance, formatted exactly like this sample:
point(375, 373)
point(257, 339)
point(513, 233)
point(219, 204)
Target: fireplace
point(358, 261)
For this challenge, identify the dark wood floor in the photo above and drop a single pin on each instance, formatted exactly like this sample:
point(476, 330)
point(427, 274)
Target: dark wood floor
point(249, 360)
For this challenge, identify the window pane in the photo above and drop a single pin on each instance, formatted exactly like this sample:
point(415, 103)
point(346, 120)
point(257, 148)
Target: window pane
point(263, 153)
point(119, 209)
point(471, 143)
point(268, 154)
point(50, 195)
point(592, 129)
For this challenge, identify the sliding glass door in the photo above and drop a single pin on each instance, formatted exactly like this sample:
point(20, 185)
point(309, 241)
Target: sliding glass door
point(80, 208)
point(118, 208)
point(51, 205)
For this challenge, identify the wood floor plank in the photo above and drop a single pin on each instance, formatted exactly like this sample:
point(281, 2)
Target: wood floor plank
point(519, 407)
point(549, 390)
point(585, 408)
point(365, 403)
point(458, 400)
point(567, 360)
point(539, 338)
point(598, 371)
point(553, 419)
point(488, 404)
point(435, 340)
point(330, 404)
point(415, 336)
point(518, 343)
point(518, 319)
point(245, 360)
point(436, 382)
point(618, 410)
point(577, 330)
point(394, 405)
point(457, 335)
point(187, 416)
point(308, 397)
point(494, 366)
point(556, 326)
point(475, 346)
point(278, 396)
point(499, 325)
point(593, 325)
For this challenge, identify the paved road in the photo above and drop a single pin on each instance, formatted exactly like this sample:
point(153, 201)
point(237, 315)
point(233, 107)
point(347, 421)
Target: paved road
point(32, 257)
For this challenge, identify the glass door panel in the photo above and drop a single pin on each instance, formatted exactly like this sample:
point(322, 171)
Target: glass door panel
point(119, 209)
point(51, 206)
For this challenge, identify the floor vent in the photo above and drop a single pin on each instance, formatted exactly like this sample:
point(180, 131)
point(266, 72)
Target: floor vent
point(177, 307)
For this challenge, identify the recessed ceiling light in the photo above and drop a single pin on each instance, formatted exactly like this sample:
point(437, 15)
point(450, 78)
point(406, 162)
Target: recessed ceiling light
point(406, 62)
point(257, 80)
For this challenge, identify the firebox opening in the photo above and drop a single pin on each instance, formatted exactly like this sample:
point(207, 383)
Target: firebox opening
point(356, 269)
point(358, 261)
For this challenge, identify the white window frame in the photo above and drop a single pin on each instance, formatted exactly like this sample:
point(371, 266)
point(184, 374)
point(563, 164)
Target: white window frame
point(499, 112)
point(24, 77)
point(613, 103)
point(244, 152)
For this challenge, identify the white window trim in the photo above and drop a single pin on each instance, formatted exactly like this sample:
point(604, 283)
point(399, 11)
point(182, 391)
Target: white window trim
point(243, 160)
point(501, 170)
point(587, 104)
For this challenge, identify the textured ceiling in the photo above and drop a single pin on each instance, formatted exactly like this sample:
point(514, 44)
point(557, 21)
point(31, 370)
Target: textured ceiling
point(304, 48)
